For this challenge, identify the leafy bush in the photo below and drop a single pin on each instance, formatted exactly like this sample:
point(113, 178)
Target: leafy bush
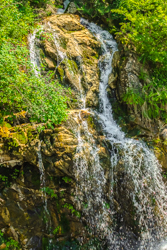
point(144, 31)
point(39, 3)
point(99, 8)
point(43, 99)
point(15, 20)
point(145, 28)
point(151, 100)
point(10, 243)
point(96, 7)
point(20, 89)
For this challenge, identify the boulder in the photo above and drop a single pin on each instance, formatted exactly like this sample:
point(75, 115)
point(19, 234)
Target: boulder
point(72, 8)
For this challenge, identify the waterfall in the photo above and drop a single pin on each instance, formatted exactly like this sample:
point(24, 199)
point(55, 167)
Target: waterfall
point(149, 193)
point(42, 186)
point(90, 178)
point(34, 55)
point(61, 55)
point(34, 58)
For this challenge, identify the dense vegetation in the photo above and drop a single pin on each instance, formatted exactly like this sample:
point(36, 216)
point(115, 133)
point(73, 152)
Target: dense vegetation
point(144, 31)
point(20, 90)
point(141, 26)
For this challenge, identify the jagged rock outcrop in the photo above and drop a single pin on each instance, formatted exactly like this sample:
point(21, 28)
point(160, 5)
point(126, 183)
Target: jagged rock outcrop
point(70, 49)
point(21, 204)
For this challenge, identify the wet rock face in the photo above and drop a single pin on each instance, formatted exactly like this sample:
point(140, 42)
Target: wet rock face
point(129, 72)
point(72, 8)
point(22, 213)
point(129, 75)
point(163, 134)
point(21, 204)
point(73, 52)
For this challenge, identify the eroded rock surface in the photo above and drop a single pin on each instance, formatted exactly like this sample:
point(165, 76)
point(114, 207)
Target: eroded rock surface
point(73, 52)
point(22, 212)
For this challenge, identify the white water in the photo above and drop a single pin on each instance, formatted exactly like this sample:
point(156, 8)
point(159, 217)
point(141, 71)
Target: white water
point(162, 246)
point(90, 179)
point(61, 11)
point(34, 57)
point(42, 186)
point(35, 62)
point(138, 160)
point(60, 54)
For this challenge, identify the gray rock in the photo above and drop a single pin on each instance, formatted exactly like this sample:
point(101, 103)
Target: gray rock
point(72, 8)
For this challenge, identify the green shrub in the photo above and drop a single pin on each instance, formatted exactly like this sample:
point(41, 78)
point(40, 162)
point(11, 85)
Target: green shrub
point(43, 99)
point(10, 243)
point(144, 29)
point(15, 20)
point(150, 101)
point(39, 3)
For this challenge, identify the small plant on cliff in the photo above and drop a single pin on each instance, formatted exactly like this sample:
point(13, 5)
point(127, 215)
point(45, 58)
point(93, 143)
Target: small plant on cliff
point(8, 244)
point(66, 179)
point(164, 175)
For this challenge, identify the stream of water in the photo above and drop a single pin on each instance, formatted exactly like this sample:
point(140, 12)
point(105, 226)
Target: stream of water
point(42, 186)
point(34, 55)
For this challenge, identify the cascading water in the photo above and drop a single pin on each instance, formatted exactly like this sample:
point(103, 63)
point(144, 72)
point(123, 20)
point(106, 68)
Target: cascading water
point(149, 194)
point(90, 177)
point(34, 56)
point(43, 185)
point(61, 55)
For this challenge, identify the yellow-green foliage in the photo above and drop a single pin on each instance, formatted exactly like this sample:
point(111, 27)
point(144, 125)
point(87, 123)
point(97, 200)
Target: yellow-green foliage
point(61, 72)
point(145, 28)
point(20, 89)
point(20, 136)
point(71, 65)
